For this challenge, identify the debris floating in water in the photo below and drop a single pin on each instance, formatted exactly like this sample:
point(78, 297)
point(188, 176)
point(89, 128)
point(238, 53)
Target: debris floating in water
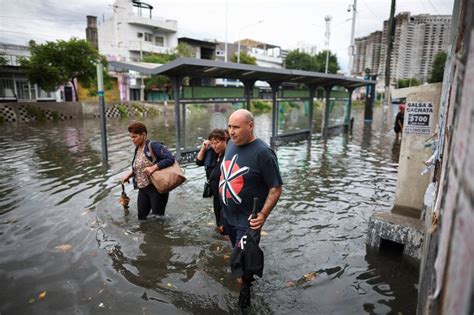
point(64, 248)
point(42, 295)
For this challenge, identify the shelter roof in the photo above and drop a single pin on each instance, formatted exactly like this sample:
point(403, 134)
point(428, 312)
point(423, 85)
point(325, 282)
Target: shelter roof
point(201, 68)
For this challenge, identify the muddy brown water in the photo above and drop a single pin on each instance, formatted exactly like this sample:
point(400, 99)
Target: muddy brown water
point(55, 191)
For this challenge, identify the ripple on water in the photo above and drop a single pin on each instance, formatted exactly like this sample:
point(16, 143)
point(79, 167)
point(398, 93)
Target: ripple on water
point(177, 263)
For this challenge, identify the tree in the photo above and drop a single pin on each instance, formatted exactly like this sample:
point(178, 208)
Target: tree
point(57, 63)
point(3, 60)
point(161, 81)
point(303, 61)
point(299, 61)
point(437, 71)
point(333, 65)
point(403, 83)
point(245, 58)
point(184, 50)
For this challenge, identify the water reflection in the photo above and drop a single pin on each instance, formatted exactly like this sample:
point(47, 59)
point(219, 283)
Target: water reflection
point(63, 195)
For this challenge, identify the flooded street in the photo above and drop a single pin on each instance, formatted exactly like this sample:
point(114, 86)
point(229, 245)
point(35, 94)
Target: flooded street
point(54, 191)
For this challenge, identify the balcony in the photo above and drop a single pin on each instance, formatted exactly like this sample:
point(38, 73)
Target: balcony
point(137, 46)
point(169, 26)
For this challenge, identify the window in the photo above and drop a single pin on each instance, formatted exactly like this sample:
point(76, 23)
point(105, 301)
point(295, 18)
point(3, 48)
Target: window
point(6, 88)
point(159, 41)
point(148, 37)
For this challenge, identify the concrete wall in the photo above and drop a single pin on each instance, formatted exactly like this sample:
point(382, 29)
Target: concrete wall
point(411, 185)
point(50, 111)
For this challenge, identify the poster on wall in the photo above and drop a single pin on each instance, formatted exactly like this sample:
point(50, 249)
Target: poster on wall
point(418, 118)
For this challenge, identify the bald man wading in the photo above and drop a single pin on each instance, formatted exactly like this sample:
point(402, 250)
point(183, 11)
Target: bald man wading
point(250, 169)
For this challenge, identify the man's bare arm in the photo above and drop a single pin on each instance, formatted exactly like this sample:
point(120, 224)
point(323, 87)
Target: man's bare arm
point(271, 201)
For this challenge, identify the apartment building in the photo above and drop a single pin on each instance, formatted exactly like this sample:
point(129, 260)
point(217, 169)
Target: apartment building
point(367, 55)
point(418, 38)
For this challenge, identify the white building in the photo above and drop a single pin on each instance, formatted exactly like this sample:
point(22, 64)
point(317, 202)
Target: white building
point(14, 84)
point(306, 47)
point(130, 33)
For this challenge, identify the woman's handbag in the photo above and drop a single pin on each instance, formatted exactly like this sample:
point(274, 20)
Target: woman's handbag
point(167, 179)
point(207, 193)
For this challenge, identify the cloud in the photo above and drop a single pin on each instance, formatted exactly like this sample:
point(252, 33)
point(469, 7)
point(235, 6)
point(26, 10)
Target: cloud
point(286, 22)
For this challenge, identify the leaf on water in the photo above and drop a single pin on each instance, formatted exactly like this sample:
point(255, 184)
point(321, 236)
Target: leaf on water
point(226, 257)
point(310, 276)
point(263, 233)
point(64, 248)
point(42, 295)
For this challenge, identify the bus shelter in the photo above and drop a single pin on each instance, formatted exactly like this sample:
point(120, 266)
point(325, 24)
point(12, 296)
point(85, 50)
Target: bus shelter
point(336, 111)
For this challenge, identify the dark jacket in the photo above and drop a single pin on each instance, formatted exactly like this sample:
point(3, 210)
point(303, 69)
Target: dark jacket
point(213, 169)
point(164, 157)
point(209, 161)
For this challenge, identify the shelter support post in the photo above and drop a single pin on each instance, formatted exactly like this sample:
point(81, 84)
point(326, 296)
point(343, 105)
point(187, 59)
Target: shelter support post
point(369, 100)
point(327, 89)
point(176, 81)
point(248, 89)
point(275, 87)
point(347, 114)
point(312, 93)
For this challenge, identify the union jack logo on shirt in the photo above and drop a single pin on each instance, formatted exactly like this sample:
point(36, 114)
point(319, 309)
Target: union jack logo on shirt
point(231, 181)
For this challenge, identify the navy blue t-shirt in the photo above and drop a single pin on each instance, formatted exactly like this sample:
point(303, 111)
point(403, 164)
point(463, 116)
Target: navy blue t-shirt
point(247, 171)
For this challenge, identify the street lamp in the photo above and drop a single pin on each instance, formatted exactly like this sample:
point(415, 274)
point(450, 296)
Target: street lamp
point(240, 30)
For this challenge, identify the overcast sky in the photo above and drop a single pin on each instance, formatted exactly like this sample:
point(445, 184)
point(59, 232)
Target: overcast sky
point(285, 22)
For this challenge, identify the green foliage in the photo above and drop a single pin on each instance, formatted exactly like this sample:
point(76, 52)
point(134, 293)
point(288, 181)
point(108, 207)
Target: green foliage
point(303, 61)
point(123, 110)
point(57, 63)
point(259, 106)
point(55, 115)
point(3, 60)
point(244, 58)
point(403, 83)
point(151, 112)
point(437, 71)
point(184, 50)
point(159, 58)
point(36, 112)
point(160, 82)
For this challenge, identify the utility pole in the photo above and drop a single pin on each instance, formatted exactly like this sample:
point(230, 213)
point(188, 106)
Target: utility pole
point(225, 38)
point(327, 35)
point(352, 47)
point(388, 54)
point(103, 128)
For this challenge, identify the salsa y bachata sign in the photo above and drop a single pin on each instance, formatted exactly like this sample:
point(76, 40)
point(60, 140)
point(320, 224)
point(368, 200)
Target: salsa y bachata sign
point(418, 117)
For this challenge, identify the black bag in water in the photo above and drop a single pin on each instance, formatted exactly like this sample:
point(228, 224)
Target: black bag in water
point(207, 193)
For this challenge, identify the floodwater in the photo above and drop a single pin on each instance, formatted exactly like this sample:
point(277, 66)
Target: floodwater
point(54, 191)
